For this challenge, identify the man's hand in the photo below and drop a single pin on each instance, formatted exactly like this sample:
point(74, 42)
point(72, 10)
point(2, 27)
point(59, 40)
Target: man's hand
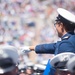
point(25, 49)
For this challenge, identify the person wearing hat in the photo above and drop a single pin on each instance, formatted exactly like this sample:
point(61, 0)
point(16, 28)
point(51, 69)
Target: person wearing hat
point(29, 68)
point(65, 25)
point(22, 69)
point(39, 69)
point(60, 61)
point(8, 60)
point(71, 65)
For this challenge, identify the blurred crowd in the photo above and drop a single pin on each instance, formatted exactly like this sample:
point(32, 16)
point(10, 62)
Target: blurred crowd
point(29, 22)
point(31, 69)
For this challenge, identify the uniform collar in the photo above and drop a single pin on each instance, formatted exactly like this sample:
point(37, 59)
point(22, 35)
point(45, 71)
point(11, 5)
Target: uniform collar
point(67, 35)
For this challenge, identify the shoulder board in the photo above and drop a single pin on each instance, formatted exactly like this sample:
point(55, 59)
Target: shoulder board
point(66, 37)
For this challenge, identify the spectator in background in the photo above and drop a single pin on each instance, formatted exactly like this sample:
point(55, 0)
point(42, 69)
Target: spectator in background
point(29, 68)
point(22, 69)
point(8, 60)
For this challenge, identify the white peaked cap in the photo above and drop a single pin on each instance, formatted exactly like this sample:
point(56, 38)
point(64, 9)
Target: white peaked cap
point(44, 62)
point(8, 52)
point(66, 14)
point(71, 64)
point(39, 66)
point(62, 57)
point(20, 66)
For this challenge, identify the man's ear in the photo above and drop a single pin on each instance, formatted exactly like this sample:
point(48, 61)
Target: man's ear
point(61, 25)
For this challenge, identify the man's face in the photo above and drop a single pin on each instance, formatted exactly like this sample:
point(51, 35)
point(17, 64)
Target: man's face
point(59, 29)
